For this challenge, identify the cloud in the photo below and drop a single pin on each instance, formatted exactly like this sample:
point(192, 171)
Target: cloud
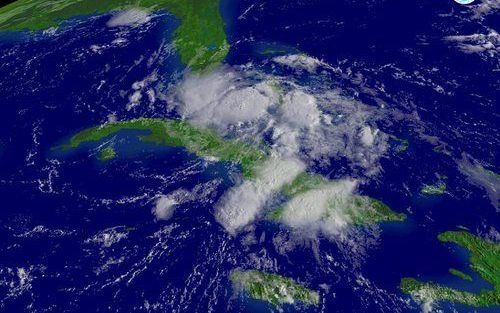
point(481, 177)
point(321, 209)
point(164, 207)
point(485, 7)
point(301, 62)
point(132, 17)
point(300, 124)
point(367, 135)
point(241, 205)
point(299, 110)
point(223, 98)
point(478, 43)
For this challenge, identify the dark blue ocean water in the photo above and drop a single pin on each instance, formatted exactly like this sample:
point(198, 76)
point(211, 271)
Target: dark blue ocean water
point(55, 85)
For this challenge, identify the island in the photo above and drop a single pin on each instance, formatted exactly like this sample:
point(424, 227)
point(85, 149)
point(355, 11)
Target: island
point(273, 288)
point(436, 189)
point(484, 260)
point(107, 153)
point(175, 133)
point(360, 210)
point(460, 274)
point(200, 39)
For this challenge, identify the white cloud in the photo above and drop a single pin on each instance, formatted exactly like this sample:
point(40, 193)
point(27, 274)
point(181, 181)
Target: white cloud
point(481, 177)
point(485, 7)
point(299, 123)
point(299, 110)
point(321, 209)
point(164, 207)
point(222, 99)
point(242, 204)
point(300, 62)
point(427, 307)
point(367, 135)
point(108, 237)
point(478, 43)
point(132, 17)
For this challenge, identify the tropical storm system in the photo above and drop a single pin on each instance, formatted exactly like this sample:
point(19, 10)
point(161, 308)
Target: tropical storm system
point(249, 156)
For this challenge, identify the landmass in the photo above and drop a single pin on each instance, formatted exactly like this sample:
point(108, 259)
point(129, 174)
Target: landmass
point(273, 288)
point(200, 39)
point(484, 260)
point(361, 210)
point(107, 153)
point(460, 274)
point(176, 133)
point(436, 189)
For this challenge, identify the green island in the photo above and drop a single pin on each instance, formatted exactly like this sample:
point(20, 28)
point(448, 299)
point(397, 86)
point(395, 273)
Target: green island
point(374, 211)
point(107, 153)
point(200, 39)
point(436, 189)
point(273, 288)
point(460, 274)
point(361, 210)
point(176, 133)
point(484, 259)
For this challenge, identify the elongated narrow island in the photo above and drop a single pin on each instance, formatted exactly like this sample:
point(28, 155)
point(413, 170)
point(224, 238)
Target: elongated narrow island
point(484, 259)
point(273, 288)
point(460, 274)
point(176, 133)
point(200, 39)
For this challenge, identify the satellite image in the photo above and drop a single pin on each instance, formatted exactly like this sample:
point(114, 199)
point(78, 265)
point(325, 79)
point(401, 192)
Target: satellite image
point(250, 156)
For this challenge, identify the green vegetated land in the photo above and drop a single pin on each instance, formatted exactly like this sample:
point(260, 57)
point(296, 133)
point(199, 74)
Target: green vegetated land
point(177, 133)
point(107, 153)
point(484, 259)
point(273, 288)
point(200, 39)
point(436, 189)
point(362, 209)
point(460, 274)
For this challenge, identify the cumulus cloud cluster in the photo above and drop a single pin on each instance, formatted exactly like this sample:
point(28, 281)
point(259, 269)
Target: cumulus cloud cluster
point(300, 124)
point(242, 204)
point(165, 206)
point(485, 7)
point(132, 17)
point(321, 209)
point(481, 177)
point(478, 43)
point(222, 99)
point(301, 62)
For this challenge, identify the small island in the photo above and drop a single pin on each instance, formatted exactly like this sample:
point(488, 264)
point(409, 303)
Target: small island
point(484, 260)
point(460, 274)
point(438, 188)
point(273, 288)
point(107, 153)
